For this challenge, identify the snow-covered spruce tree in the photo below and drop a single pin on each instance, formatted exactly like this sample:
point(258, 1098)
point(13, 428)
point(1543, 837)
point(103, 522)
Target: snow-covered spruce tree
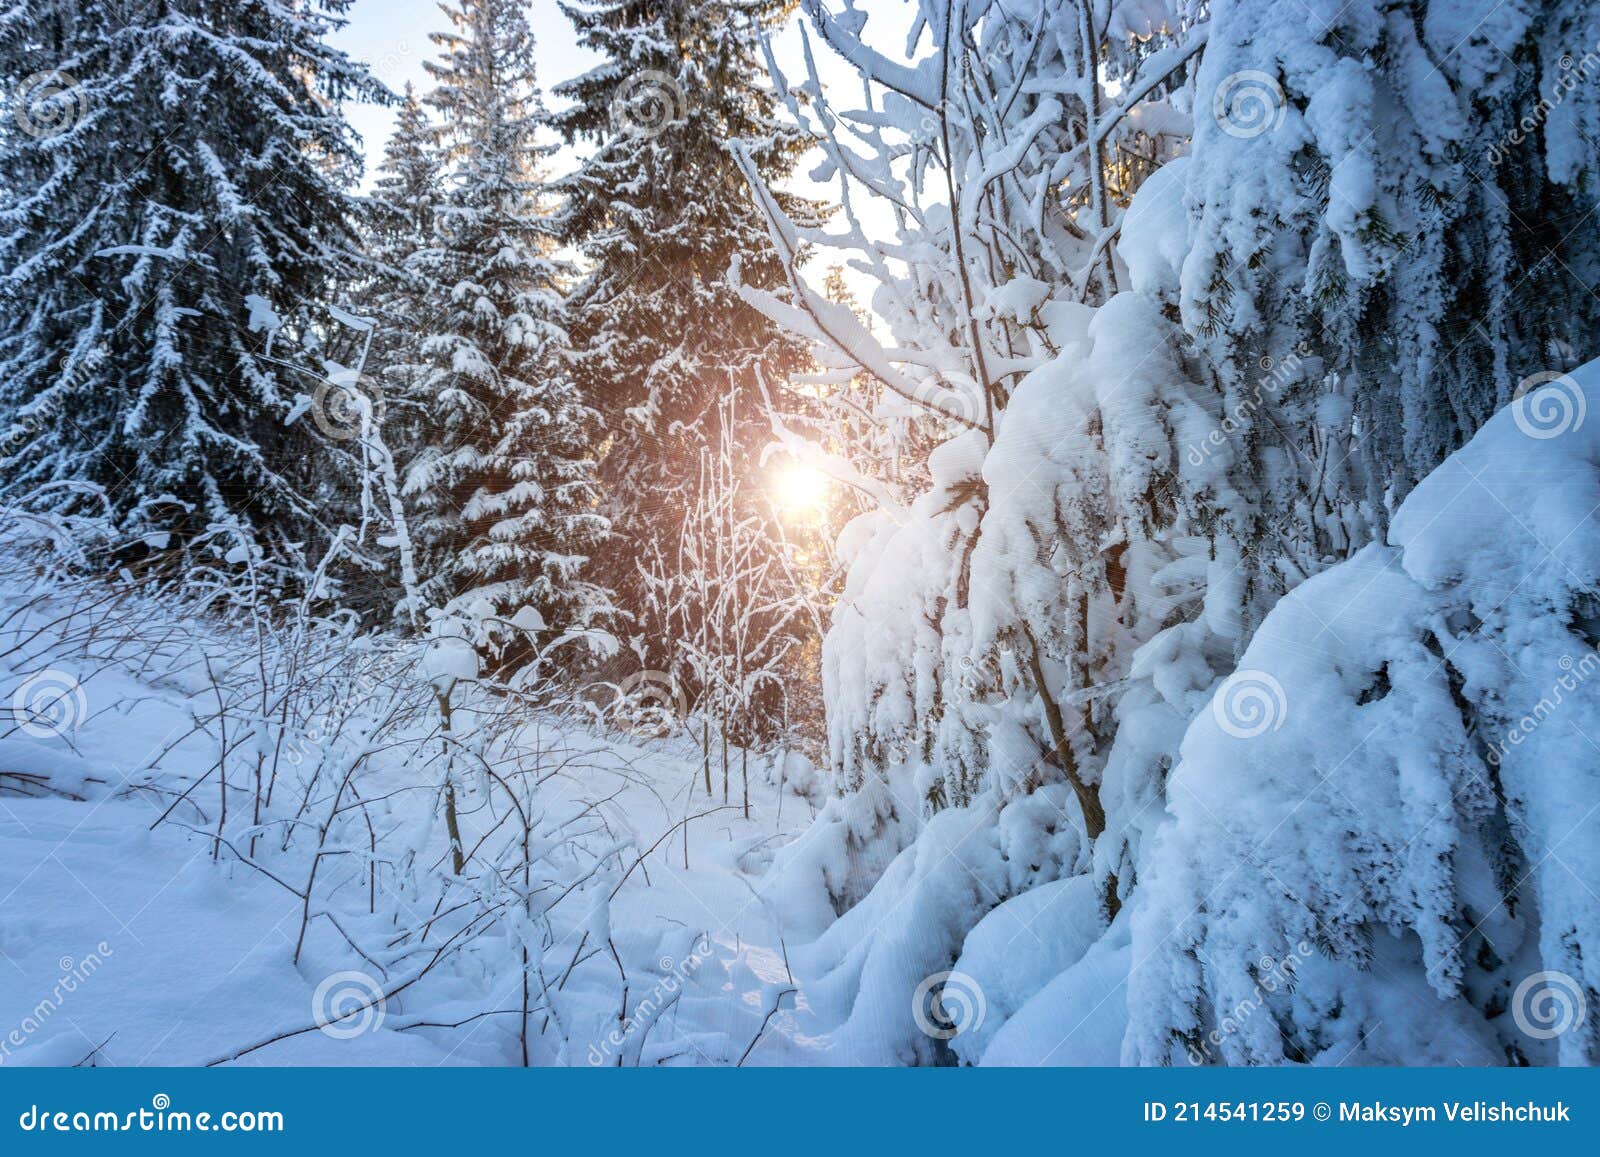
point(1386, 824)
point(1390, 189)
point(660, 210)
point(988, 630)
point(401, 222)
point(1116, 520)
point(160, 164)
point(505, 484)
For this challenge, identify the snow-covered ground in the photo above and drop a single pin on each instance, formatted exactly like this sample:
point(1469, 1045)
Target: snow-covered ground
point(131, 935)
point(135, 948)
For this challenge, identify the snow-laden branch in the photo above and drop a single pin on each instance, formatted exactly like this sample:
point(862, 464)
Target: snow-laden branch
point(918, 83)
point(819, 318)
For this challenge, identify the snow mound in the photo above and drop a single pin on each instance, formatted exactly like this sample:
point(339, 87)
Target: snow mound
point(1155, 230)
point(1020, 947)
point(867, 978)
point(1078, 1019)
point(1398, 787)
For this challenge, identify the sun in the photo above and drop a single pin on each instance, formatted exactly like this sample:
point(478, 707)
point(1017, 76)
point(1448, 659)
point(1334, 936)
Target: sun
point(800, 489)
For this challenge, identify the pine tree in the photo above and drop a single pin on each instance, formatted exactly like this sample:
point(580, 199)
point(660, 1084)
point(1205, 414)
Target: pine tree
point(505, 486)
point(174, 193)
point(659, 210)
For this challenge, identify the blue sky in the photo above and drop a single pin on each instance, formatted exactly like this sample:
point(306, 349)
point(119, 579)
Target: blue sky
point(392, 37)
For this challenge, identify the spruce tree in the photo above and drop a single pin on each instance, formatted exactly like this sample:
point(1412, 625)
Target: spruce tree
point(1402, 260)
point(173, 193)
point(659, 209)
point(505, 485)
point(402, 213)
point(402, 218)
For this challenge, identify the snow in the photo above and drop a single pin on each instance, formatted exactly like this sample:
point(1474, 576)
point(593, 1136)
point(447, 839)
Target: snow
point(1079, 1018)
point(448, 661)
point(1155, 230)
point(958, 460)
point(529, 619)
point(736, 922)
point(187, 959)
point(1208, 648)
point(1021, 947)
point(1401, 730)
point(346, 318)
point(191, 950)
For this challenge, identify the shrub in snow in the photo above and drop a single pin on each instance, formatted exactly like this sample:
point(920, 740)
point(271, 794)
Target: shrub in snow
point(302, 759)
point(861, 974)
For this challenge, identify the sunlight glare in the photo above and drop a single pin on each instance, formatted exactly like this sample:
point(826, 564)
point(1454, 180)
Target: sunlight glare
point(800, 489)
